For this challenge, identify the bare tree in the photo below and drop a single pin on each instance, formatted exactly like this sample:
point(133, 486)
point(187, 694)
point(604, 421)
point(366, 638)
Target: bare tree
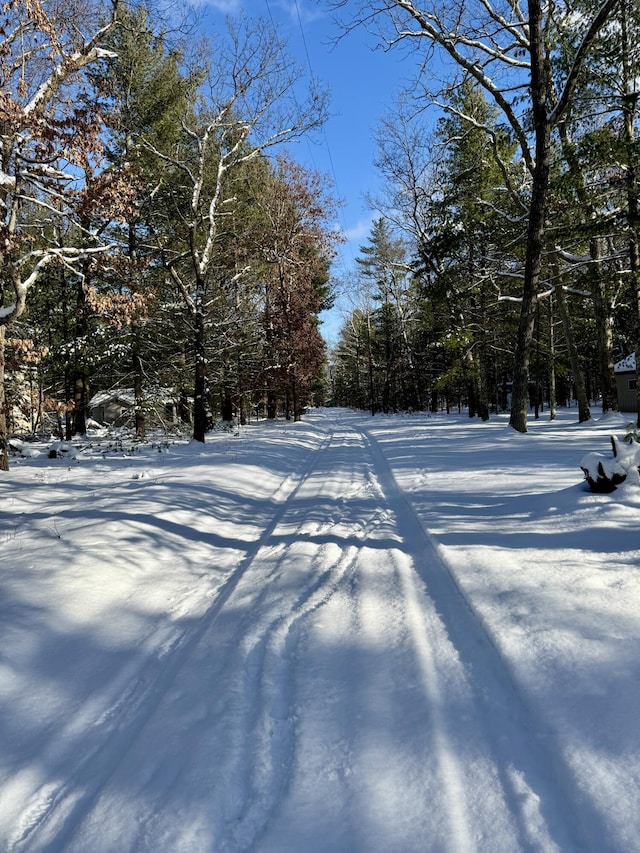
point(505, 48)
point(49, 134)
point(250, 105)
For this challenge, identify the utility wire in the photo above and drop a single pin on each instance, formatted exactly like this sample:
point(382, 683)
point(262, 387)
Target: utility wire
point(325, 139)
point(324, 135)
point(340, 260)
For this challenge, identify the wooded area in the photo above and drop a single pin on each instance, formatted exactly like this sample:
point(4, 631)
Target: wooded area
point(159, 241)
point(503, 273)
point(150, 242)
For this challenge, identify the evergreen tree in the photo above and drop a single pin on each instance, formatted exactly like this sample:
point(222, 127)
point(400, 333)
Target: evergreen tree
point(296, 246)
point(384, 266)
point(464, 264)
point(151, 95)
point(51, 136)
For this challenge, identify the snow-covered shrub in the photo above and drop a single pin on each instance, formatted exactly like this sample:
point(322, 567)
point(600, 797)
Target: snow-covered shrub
point(604, 474)
point(62, 450)
point(21, 448)
point(632, 434)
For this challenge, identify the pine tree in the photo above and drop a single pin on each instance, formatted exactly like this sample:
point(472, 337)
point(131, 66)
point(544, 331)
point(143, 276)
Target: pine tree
point(295, 247)
point(385, 269)
point(463, 259)
point(51, 128)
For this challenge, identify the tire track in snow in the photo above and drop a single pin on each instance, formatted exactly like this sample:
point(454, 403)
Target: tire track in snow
point(422, 640)
point(364, 777)
point(268, 728)
point(55, 812)
point(270, 733)
point(537, 783)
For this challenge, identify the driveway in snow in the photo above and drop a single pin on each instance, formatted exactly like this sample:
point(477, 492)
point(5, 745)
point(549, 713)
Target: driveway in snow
point(261, 646)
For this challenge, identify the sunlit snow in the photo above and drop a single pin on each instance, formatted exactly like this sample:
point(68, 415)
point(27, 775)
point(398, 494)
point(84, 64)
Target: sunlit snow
point(396, 634)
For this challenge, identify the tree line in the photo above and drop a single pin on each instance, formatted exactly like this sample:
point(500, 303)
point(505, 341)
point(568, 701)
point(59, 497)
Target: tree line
point(504, 270)
point(156, 234)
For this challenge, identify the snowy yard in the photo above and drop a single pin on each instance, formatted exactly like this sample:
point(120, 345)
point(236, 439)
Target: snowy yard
point(359, 635)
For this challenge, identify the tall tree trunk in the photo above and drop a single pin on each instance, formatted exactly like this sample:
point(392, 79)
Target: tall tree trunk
point(372, 402)
point(483, 391)
point(408, 354)
point(80, 403)
point(77, 419)
point(297, 408)
point(138, 383)
point(4, 437)
point(604, 334)
point(584, 413)
point(272, 405)
point(478, 387)
point(68, 410)
point(552, 363)
point(200, 378)
point(629, 105)
point(473, 397)
point(536, 223)
point(136, 357)
point(388, 403)
point(634, 262)
point(226, 405)
point(482, 367)
point(526, 325)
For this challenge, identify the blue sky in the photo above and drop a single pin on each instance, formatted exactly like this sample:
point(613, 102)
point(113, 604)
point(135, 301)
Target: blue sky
point(362, 82)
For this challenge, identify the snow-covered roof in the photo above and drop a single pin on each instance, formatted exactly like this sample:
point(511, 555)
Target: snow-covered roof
point(102, 397)
point(127, 397)
point(628, 363)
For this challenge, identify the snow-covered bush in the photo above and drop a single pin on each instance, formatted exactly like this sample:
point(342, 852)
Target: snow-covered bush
point(604, 473)
point(21, 448)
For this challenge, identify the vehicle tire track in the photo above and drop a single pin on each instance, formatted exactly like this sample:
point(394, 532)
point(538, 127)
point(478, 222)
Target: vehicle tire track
point(55, 812)
point(270, 731)
point(269, 701)
point(352, 733)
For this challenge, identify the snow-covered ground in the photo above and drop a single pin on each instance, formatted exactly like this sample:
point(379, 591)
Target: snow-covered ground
point(353, 634)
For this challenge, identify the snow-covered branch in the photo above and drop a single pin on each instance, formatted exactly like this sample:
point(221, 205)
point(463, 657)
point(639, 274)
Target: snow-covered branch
point(450, 42)
point(585, 46)
point(69, 65)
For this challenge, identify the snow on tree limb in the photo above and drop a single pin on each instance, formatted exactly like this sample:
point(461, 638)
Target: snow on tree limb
point(65, 69)
point(43, 153)
point(7, 182)
point(599, 20)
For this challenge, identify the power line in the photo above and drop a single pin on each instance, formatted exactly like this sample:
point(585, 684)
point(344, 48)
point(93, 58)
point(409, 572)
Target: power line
point(339, 261)
point(325, 139)
point(324, 134)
